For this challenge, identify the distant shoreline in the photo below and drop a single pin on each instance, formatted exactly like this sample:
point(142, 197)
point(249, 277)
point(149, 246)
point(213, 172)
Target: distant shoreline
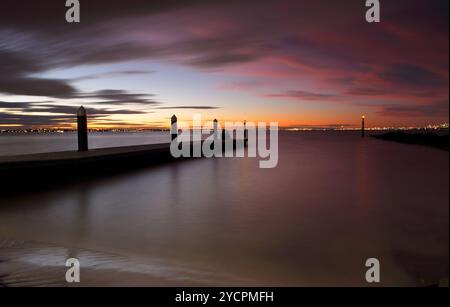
point(431, 129)
point(423, 138)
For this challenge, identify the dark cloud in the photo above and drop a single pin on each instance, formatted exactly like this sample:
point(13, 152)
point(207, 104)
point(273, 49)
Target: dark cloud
point(112, 74)
point(401, 80)
point(114, 123)
point(35, 120)
point(234, 32)
point(366, 91)
point(412, 76)
point(120, 97)
point(197, 52)
point(254, 34)
point(103, 53)
point(17, 80)
point(191, 107)
point(15, 77)
point(70, 110)
point(218, 60)
point(437, 109)
point(50, 14)
point(44, 113)
point(304, 95)
point(13, 105)
point(36, 87)
point(17, 64)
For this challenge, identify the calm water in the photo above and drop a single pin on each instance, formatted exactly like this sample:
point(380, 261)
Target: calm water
point(333, 201)
point(38, 143)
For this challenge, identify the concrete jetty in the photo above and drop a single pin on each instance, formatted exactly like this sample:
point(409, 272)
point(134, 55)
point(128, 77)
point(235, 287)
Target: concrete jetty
point(46, 170)
point(43, 168)
point(67, 158)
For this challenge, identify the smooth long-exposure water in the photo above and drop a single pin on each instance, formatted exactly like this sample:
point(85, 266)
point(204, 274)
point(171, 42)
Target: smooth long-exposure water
point(15, 144)
point(333, 201)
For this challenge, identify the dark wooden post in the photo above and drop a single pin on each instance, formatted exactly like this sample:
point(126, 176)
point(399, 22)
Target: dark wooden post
point(173, 127)
point(82, 129)
point(245, 132)
point(215, 129)
point(363, 128)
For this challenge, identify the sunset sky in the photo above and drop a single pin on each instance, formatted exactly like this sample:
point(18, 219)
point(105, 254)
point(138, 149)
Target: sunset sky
point(303, 63)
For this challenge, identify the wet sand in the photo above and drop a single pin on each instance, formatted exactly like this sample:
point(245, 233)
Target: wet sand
point(32, 264)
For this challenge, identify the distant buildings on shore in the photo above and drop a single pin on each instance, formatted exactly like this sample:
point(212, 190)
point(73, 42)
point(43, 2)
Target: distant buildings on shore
point(49, 130)
point(121, 130)
point(346, 128)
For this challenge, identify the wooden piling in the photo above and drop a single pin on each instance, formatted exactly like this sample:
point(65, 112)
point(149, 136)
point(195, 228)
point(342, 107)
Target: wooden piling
point(363, 128)
point(245, 133)
point(173, 127)
point(215, 130)
point(82, 129)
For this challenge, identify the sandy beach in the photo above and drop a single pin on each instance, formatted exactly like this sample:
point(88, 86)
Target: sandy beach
point(32, 264)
